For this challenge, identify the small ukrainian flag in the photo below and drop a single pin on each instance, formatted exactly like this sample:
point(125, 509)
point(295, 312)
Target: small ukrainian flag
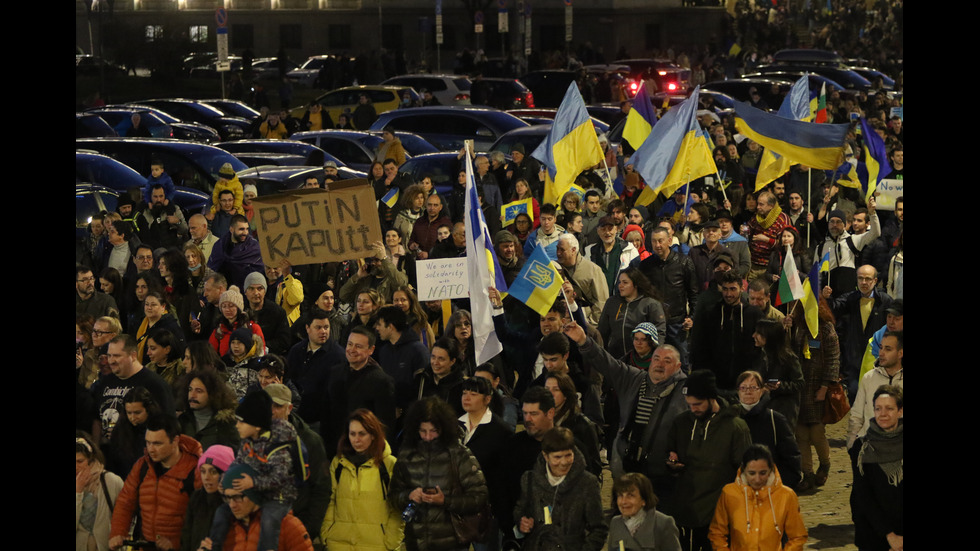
point(510, 211)
point(391, 198)
point(538, 283)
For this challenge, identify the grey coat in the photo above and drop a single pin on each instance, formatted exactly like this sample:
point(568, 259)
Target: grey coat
point(658, 532)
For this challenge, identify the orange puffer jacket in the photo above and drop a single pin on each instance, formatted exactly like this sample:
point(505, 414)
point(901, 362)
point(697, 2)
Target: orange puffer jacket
point(292, 536)
point(162, 501)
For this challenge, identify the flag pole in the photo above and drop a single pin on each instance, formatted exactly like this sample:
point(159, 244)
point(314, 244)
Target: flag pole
point(609, 183)
point(809, 196)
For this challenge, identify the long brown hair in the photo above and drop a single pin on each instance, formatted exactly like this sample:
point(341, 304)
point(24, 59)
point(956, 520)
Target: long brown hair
point(373, 426)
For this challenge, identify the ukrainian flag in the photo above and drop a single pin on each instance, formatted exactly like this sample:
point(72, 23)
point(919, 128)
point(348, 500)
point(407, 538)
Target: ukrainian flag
point(675, 152)
point(640, 120)
point(811, 293)
point(482, 271)
point(571, 146)
point(391, 198)
point(795, 107)
point(866, 174)
point(819, 146)
point(509, 212)
point(538, 283)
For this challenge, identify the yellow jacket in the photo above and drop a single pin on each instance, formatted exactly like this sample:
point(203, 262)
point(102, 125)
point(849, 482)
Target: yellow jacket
point(289, 296)
point(359, 517)
point(749, 520)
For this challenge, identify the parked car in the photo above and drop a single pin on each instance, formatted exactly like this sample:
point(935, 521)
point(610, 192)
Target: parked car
point(448, 127)
point(160, 123)
point(229, 128)
point(772, 91)
point(308, 73)
point(91, 199)
point(234, 108)
point(90, 125)
point(93, 168)
point(192, 165)
point(509, 93)
point(307, 154)
point(383, 98)
point(530, 137)
point(443, 168)
point(669, 76)
point(269, 180)
point(356, 147)
point(448, 89)
point(548, 86)
point(843, 76)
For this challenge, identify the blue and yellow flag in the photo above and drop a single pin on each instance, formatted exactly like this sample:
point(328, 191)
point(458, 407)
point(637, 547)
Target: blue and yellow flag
point(482, 271)
point(538, 283)
point(866, 174)
point(391, 198)
point(570, 147)
point(640, 120)
point(509, 212)
point(811, 293)
point(819, 146)
point(795, 107)
point(675, 152)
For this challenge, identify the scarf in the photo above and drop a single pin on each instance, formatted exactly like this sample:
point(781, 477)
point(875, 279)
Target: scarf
point(770, 218)
point(633, 523)
point(885, 449)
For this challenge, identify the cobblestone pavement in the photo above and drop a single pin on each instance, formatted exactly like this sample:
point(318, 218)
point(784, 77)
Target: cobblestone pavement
point(826, 510)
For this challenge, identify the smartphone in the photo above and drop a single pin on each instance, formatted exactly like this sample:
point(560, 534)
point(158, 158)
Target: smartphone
point(430, 491)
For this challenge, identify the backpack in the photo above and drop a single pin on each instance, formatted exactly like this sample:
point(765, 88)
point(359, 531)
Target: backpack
point(299, 455)
point(382, 473)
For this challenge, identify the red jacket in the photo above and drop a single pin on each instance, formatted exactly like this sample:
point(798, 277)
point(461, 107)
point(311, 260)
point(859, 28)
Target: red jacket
point(162, 501)
point(292, 535)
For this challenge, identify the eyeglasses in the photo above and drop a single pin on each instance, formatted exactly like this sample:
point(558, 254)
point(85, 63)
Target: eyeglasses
point(97, 333)
point(86, 279)
point(748, 388)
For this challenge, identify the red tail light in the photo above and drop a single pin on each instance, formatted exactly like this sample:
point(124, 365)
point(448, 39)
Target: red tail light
point(672, 86)
point(461, 97)
point(529, 99)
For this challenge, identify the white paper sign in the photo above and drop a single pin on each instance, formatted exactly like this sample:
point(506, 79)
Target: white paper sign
point(442, 279)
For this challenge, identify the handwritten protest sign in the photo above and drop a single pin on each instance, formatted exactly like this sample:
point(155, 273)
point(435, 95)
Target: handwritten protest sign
point(442, 278)
point(311, 225)
point(888, 191)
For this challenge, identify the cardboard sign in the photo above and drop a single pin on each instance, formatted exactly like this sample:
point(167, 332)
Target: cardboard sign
point(888, 191)
point(442, 279)
point(310, 226)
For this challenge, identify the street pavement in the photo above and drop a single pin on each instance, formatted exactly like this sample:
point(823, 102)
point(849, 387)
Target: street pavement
point(826, 510)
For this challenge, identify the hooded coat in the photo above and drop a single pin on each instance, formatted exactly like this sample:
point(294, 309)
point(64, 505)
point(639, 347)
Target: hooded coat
point(710, 449)
point(747, 519)
point(359, 517)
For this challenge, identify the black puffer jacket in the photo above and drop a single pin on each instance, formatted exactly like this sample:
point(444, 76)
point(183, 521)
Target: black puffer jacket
point(577, 522)
point(427, 465)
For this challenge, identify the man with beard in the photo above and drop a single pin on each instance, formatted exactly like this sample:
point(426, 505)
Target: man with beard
point(375, 272)
point(706, 459)
point(161, 224)
point(88, 300)
point(209, 411)
point(765, 229)
point(721, 340)
point(236, 254)
point(844, 248)
point(649, 401)
point(509, 255)
point(201, 235)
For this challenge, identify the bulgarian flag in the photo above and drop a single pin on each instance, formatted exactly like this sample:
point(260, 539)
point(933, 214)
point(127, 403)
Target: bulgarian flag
point(790, 288)
point(818, 105)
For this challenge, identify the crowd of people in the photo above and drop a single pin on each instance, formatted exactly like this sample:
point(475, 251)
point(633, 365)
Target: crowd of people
point(222, 403)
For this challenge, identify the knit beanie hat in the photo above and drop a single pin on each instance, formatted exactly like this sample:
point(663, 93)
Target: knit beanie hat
point(226, 171)
point(255, 278)
point(234, 296)
point(238, 470)
point(244, 336)
point(504, 236)
point(701, 384)
point(649, 330)
point(839, 214)
point(220, 457)
point(256, 410)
